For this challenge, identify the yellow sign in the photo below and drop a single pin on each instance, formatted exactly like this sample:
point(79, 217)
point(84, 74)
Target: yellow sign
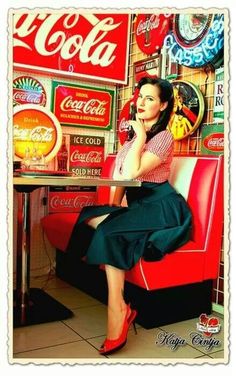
point(36, 129)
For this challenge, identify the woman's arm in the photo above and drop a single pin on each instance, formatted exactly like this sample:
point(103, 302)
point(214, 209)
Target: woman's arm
point(118, 196)
point(137, 163)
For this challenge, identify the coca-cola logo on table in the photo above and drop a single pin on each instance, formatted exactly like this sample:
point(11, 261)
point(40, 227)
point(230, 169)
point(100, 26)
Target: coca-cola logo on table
point(82, 106)
point(36, 127)
point(70, 201)
point(26, 90)
point(87, 45)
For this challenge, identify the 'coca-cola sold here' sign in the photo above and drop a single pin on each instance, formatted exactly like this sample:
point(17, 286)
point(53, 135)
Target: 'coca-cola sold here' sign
point(85, 45)
point(84, 106)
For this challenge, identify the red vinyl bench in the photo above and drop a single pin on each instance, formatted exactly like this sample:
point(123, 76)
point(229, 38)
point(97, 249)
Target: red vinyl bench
point(180, 285)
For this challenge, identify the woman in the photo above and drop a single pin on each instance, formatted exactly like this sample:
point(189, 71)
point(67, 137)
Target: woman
point(157, 219)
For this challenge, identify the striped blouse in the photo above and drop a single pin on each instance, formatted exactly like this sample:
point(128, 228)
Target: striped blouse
point(161, 145)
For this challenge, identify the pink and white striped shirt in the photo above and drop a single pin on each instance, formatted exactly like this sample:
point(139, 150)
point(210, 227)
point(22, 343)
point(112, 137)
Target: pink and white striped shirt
point(161, 145)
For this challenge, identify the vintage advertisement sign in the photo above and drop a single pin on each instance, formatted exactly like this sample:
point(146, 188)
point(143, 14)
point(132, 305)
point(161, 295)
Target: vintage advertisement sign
point(147, 67)
point(196, 39)
point(86, 155)
point(36, 129)
point(70, 199)
point(80, 44)
point(188, 109)
point(83, 106)
point(150, 31)
point(212, 139)
point(28, 90)
point(218, 113)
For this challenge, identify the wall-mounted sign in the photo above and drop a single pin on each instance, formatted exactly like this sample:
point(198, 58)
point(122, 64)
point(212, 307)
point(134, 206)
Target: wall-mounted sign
point(212, 139)
point(79, 44)
point(86, 155)
point(70, 199)
point(83, 106)
point(147, 67)
point(28, 90)
point(188, 109)
point(36, 129)
point(218, 112)
point(196, 40)
point(151, 30)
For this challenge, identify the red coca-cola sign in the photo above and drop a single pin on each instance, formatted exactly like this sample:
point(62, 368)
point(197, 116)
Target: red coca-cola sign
point(83, 106)
point(214, 142)
point(150, 31)
point(82, 44)
point(86, 155)
point(69, 202)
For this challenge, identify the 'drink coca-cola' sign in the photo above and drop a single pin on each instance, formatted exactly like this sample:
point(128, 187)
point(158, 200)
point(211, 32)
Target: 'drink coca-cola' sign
point(83, 106)
point(86, 155)
point(79, 44)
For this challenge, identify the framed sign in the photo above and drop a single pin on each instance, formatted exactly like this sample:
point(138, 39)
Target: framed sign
point(197, 39)
point(218, 112)
point(188, 109)
point(86, 155)
point(81, 44)
point(147, 67)
point(36, 128)
point(83, 106)
point(212, 139)
point(28, 90)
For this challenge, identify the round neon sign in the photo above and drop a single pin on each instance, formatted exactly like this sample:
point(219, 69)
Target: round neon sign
point(36, 128)
point(196, 40)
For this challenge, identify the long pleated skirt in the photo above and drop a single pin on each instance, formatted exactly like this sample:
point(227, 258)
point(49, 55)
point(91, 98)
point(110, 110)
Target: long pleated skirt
point(157, 221)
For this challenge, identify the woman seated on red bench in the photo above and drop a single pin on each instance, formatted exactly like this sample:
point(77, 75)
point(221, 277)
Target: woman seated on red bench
point(157, 220)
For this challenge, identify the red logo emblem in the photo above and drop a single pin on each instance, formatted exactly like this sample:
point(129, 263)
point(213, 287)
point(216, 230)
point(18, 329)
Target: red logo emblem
point(208, 325)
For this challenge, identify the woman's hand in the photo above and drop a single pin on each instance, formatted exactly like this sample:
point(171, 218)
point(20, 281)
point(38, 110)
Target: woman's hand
point(138, 127)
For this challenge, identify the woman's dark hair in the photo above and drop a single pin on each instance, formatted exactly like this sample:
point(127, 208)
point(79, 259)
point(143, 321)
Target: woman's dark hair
point(166, 95)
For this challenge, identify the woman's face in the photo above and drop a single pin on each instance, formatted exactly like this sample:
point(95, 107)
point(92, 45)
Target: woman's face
point(149, 104)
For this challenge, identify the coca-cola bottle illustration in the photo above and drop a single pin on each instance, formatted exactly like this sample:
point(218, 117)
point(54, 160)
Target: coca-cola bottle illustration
point(62, 156)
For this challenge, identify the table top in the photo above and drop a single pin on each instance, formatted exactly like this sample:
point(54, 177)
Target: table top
point(64, 181)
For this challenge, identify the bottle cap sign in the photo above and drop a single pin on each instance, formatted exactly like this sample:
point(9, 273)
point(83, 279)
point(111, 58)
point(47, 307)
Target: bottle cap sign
point(151, 30)
point(35, 127)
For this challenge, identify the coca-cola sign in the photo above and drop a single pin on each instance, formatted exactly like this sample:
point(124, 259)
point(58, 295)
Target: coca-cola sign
point(80, 105)
point(86, 155)
point(214, 142)
point(79, 44)
point(35, 128)
point(150, 31)
point(26, 90)
point(212, 139)
point(70, 201)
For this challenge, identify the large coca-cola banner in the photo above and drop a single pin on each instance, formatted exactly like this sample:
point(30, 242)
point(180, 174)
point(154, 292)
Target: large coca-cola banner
point(83, 106)
point(86, 155)
point(70, 199)
point(78, 44)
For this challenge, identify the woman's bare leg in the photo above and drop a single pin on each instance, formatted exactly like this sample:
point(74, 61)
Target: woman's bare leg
point(115, 281)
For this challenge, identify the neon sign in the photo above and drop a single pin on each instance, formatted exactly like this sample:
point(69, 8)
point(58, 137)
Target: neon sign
point(196, 40)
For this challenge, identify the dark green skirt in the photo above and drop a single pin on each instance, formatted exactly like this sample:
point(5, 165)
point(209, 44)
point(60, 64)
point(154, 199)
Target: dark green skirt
point(157, 221)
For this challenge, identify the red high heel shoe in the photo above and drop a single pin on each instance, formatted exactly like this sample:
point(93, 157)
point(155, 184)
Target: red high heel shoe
point(111, 345)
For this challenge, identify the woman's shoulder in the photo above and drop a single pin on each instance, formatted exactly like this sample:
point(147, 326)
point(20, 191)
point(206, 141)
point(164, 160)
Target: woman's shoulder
point(165, 135)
